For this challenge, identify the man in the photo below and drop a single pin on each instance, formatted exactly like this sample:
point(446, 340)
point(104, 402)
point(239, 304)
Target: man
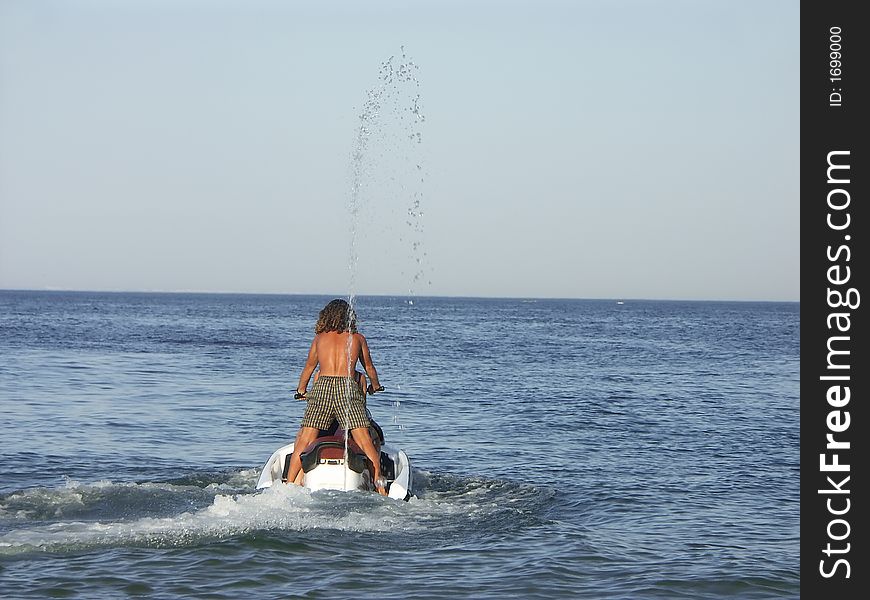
point(337, 392)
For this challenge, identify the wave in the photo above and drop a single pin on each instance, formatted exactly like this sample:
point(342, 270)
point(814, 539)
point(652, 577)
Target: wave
point(185, 512)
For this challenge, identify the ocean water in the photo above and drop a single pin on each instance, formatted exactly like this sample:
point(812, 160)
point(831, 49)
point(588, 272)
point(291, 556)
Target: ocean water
point(562, 449)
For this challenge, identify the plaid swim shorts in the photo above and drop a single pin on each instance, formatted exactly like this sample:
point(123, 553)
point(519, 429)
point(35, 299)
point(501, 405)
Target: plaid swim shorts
point(337, 398)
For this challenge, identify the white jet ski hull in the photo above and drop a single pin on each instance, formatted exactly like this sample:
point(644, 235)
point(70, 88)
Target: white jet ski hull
point(335, 474)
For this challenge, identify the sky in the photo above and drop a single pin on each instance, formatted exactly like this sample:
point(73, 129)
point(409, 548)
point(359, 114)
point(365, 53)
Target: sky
point(628, 149)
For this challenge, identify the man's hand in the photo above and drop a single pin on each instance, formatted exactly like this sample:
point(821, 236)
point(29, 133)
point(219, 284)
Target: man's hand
point(372, 390)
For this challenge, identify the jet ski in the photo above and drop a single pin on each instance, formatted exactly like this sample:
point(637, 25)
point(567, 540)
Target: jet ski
point(335, 462)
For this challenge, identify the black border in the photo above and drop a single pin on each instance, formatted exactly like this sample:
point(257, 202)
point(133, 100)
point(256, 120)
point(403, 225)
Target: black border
point(826, 128)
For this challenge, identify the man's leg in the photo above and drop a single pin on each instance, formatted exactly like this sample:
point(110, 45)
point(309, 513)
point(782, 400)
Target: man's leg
point(364, 440)
point(304, 438)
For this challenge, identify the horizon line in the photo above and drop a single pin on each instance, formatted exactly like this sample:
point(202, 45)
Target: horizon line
point(410, 296)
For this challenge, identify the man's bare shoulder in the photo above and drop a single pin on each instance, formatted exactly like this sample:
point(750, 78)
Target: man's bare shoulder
point(327, 338)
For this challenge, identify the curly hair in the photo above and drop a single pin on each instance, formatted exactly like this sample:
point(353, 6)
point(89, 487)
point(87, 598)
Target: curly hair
point(338, 316)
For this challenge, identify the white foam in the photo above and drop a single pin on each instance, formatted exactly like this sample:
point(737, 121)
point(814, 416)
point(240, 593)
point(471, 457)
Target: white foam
point(277, 508)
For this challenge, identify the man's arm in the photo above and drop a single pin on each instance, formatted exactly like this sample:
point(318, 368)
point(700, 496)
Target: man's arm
point(367, 362)
point(308, 369)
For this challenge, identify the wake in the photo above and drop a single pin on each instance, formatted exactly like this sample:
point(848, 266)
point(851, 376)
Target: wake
point(79, 516)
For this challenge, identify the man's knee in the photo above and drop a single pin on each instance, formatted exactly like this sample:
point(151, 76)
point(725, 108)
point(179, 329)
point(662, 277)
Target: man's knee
point(361, 433)
point(306, 436)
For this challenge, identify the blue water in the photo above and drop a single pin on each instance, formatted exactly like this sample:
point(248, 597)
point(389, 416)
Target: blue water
point(563, 448)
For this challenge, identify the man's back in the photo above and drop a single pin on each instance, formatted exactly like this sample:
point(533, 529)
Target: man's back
point(332, 352)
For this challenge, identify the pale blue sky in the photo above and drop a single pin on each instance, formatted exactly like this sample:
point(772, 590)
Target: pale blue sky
point(608, 149)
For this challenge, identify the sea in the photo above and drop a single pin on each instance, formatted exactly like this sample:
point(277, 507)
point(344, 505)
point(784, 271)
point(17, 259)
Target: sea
point(560, 449)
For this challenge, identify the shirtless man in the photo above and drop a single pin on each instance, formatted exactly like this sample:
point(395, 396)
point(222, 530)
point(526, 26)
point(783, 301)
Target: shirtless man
point(337, 392)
